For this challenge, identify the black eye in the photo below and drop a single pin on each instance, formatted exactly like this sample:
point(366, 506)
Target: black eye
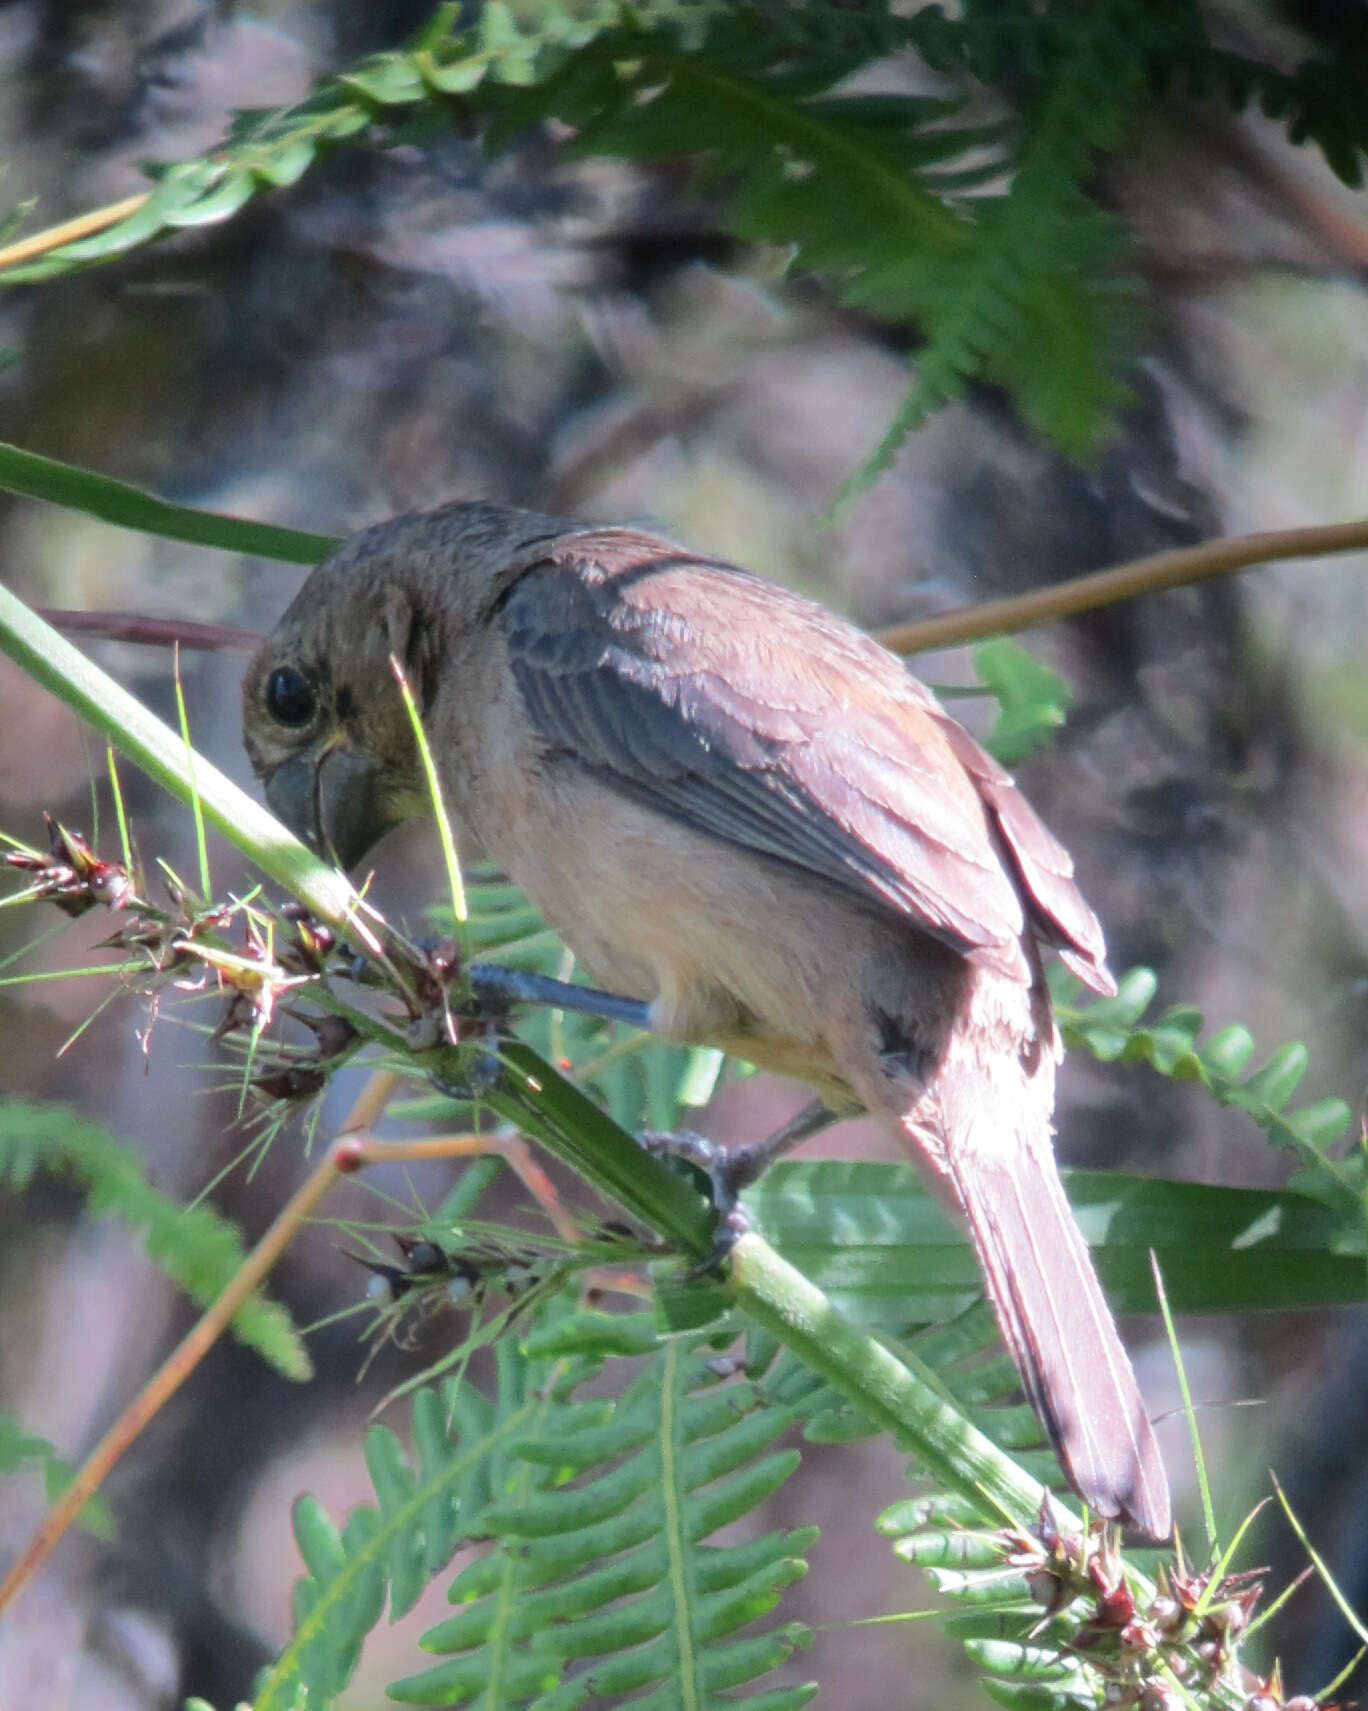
point(290, 699)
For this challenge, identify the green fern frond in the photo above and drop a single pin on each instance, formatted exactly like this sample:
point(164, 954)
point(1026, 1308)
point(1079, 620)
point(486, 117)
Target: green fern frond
point(866, 192)
point(890, 199)
point(1113, 1030)
point(272, 149)
point(1033, 301)
point(605, 1556)
point(1316, 102)
point(197, 1248)
point(393, 1548)
point(597, 1575)
point(20, 1449)
point(856, 189)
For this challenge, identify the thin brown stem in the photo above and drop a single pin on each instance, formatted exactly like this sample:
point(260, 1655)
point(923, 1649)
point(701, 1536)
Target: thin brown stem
point(1150, 575)
point(352, 1151)
point(155, 632)
point(81, 226)
point(175, 1370)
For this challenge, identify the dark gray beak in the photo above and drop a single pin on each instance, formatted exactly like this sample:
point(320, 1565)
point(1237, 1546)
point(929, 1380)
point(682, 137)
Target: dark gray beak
point(332, 803)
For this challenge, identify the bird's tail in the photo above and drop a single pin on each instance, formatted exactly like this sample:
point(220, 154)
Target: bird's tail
point(1059, 1330)
point(984, 1123)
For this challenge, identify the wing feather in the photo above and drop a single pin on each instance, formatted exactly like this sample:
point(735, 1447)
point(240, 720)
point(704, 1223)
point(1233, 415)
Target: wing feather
point(747, 713)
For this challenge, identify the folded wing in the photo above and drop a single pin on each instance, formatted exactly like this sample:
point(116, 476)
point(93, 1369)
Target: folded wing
point(752, 715)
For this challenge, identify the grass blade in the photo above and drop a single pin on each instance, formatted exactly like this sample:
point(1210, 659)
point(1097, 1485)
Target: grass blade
point(128, 507)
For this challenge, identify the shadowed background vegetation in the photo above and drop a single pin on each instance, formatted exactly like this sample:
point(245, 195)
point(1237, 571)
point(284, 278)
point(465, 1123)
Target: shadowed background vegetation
point(405, 317)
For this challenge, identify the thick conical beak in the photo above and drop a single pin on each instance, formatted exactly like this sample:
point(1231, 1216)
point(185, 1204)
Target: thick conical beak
point(330, 801)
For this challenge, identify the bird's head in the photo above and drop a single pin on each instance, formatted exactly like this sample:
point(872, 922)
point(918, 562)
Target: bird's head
point(324, 723)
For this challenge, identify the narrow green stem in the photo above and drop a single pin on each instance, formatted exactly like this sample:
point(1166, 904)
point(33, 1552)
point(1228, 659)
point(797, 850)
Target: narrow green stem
point(128, 507)
point(896, 1391)
point(94, 696)
point(569, 1124)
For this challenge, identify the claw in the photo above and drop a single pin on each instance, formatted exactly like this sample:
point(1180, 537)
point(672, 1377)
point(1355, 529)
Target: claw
point(730, 1170)
point(726, 1175)
point(482, 1075)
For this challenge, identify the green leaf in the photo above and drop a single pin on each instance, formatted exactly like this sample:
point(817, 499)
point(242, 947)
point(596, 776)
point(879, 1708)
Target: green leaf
point(879, 1245)
point(219, 203)
point(20, 1449)
point(287, 163)
point(197, 1248)
point(392, 79)
point(129, 507)
point(1032, 699)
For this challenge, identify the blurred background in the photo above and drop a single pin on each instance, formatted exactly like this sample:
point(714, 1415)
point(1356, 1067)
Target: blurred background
point(418, 324)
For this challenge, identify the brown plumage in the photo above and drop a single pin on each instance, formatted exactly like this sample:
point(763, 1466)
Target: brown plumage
point(742, 810)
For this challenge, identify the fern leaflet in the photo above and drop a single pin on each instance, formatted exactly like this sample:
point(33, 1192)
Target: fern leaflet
point(1113, 1030)
point(596, 1577)
point(197, 1248)
point(20, 1449)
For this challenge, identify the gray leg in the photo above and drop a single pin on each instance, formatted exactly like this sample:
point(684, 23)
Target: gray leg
point(749, 1164)
point(496, 987)
point(731, 1169)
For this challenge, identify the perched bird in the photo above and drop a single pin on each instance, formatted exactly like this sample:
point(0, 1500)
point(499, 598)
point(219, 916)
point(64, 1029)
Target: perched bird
point(743, 812)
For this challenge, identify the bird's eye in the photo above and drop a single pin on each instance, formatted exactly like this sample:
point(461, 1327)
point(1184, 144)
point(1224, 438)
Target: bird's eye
point(290, 699)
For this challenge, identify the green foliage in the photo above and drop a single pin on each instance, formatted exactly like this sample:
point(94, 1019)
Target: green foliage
point(1315, 99)
point(197, 1248)
point(272, 149)
point(873, 1238)
point(1032, 700)
point(1315, 102)
point(37, 477)
point(981, 236)
point(1114, 1031)
point(593, 1518)
point(20, 1449)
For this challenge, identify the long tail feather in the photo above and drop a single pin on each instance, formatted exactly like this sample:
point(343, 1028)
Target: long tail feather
point(1059, 1330)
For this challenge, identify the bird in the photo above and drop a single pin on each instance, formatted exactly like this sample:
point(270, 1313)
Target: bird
point(748, 817)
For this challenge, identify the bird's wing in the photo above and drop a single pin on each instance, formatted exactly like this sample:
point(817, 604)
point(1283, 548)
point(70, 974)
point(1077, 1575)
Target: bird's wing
point(741, 710)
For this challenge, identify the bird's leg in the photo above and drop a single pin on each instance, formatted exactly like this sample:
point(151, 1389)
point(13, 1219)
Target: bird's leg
point(729, 1170)
point(495, 987)
point(746, 1165)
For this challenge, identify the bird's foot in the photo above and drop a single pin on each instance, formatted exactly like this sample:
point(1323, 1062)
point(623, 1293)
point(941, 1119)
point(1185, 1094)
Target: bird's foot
point(718, 1164)
point(731, 1170)
point(478, 1078)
